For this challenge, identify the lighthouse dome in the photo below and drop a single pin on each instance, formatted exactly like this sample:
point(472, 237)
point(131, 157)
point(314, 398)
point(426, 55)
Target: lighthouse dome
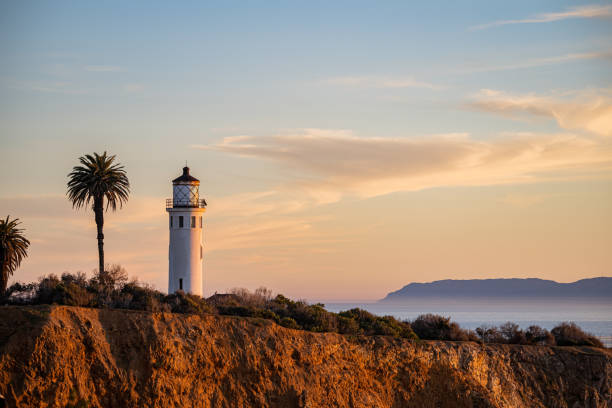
point(186, 178)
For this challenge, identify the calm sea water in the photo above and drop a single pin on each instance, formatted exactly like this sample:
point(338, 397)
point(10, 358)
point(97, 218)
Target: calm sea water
point(593, 315)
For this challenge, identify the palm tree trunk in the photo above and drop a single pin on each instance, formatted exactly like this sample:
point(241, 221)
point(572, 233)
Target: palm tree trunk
point(99, 213)
point(3, 273)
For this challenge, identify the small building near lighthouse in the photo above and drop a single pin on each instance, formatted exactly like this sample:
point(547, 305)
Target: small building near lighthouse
point(185, 254)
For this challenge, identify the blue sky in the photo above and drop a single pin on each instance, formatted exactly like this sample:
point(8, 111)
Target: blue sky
point(313, 85)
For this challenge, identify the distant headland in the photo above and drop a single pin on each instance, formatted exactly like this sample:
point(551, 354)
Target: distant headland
point(508, 288)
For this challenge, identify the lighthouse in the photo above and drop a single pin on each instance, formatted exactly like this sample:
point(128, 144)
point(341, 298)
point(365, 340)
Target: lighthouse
point(185, 253)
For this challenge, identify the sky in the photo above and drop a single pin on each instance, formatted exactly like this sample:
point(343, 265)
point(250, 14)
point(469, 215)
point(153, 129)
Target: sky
point(345, 149)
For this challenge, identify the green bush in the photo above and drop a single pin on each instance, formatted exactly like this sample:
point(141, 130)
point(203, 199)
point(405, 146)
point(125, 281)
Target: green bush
point(46, 292)
point(139, 297)
point(436, 327)
point(289, 323)
point(181, 302)
point(569, 334)
point(267, 314)
point(347, 325)
point(111, 289)
point(244, 311)
point(72, 294)
point(367, 323)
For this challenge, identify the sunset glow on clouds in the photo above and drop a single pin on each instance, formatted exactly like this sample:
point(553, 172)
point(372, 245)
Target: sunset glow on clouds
point(589, 110)
point(343, 151)
point(342, 163)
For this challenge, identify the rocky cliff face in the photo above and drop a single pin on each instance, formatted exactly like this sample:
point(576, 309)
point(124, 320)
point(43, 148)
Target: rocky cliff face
point(67, 356)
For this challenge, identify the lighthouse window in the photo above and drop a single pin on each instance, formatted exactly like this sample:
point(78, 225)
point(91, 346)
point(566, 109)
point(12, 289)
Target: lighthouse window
point(180, 221)
point(193, 221)
point(171, 217)
point(180, 284)
point(200, 221)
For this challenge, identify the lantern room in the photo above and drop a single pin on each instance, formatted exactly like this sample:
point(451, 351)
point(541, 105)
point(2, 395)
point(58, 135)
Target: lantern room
point(186, 191)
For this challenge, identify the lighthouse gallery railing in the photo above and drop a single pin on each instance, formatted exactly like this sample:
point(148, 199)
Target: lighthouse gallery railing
point(170, 203)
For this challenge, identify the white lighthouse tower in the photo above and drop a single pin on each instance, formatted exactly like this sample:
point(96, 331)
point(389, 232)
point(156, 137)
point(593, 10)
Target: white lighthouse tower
point(186, 252)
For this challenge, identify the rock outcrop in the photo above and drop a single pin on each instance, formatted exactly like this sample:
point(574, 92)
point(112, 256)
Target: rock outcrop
point(58, 356)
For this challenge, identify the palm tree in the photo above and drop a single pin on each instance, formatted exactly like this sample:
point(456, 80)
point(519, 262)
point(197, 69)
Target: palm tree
point(13, 248)
point(94, 180)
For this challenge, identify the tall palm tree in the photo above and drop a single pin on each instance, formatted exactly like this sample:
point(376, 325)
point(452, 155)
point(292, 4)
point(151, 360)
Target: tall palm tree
point(13, 248)
point(94, 180)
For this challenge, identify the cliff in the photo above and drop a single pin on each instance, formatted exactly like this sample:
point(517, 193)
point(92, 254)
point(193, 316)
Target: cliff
point(57, 356)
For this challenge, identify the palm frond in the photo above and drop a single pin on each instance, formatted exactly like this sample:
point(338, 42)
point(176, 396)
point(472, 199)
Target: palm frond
point(98, 177)
point(13, 248)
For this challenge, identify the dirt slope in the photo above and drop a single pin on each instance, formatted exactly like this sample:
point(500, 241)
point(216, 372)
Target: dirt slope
point(66, 356)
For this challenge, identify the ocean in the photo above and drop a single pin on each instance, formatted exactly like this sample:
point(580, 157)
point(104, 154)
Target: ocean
point(592, 315)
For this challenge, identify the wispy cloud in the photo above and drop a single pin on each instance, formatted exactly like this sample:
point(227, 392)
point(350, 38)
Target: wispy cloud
point(381, 82)
point(59, 87)
point(538, 62)
point(585, 110)
point(103, 68)
point(336, 164)
point(590, 11)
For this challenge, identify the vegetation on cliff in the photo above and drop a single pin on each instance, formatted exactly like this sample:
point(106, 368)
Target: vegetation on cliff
point(59, 356)
point(112, 289)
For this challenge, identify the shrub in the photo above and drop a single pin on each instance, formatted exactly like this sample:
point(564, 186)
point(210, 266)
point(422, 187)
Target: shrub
point(181, 302)
point(569, 334)
point(112, 278)
point(72, 294)
point(313, 317)
point(223, 299)
point(512, 334)
point(489, 334)
point(111, 289)
point(78, 279)
point(267, 314)
point(46, 292)
point(259, 298)
point(289, 323)
point(365, 320)
point(436, 327)
point(347, 325)
point(107, 283)
point(540, 336)
point(244, 311)
point(72, 290)
point(134, 295)
point(282, 300)
point(361, 321)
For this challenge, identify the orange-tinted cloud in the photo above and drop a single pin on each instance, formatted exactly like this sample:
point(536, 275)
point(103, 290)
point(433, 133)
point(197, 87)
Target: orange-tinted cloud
point(587, 110)
point(336, 163)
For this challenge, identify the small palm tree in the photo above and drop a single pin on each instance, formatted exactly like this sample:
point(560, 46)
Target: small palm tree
point(94, 180)
point(13, 248)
